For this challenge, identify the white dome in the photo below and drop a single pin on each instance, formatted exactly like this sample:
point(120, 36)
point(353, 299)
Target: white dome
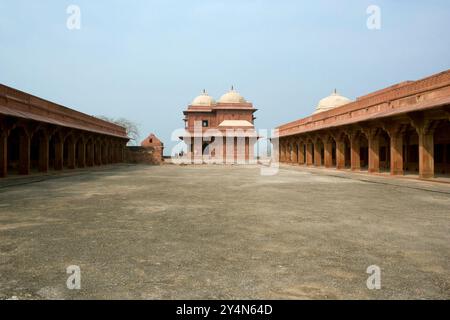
point(232, 96)
point(332, 101)
point(203, 100)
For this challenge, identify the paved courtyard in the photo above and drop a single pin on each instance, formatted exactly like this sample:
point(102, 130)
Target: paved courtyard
point(201, 232)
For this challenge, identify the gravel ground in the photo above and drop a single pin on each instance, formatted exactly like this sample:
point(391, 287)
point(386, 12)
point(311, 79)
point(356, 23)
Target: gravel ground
point(223, 232)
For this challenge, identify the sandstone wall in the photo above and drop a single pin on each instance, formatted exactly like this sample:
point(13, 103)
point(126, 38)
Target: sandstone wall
point(144, 155)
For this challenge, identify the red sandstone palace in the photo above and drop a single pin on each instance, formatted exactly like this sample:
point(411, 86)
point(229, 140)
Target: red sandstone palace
point(39, 135)
point(400, 129)
point(220, 132)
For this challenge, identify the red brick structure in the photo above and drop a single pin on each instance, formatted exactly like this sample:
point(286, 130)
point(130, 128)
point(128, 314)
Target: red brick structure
point(220, 132)
point(402, 128)
point(151, 151)
point(39, 135)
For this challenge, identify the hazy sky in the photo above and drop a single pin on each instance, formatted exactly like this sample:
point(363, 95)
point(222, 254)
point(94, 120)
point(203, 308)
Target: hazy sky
point(146, 60)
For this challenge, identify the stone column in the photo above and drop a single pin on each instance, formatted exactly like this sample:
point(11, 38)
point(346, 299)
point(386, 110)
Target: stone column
point(426, 155)
point(425, 129)
point(301, 153)
point(317, 154)
point(288, 152)
point(89, 154)
point(97, 153)
point(81, 161)
point(328, 153)
point(247, 150)
point(44, 153)
point(282, 151)
point(224, 150)
point(251, 149)
point(59, 154)
point(309, 154)
point(3, 154)
point(355, 152)
point(294, 157)
point(374, 152)
point(396, 153)
point(71, 154)
point(340, 154)
point(24, 154)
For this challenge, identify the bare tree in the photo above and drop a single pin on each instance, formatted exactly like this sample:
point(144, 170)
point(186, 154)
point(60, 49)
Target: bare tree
point(131, 127)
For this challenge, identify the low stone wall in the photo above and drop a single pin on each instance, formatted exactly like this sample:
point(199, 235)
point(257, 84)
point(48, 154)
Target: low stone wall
point(144, 155)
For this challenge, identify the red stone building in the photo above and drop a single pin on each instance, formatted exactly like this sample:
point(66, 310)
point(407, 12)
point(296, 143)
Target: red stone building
point(400, 129)
point(155, 146)
point(39, 135)
point(220, 132)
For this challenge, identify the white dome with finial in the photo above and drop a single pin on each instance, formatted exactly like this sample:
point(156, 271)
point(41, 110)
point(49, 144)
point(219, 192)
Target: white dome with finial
point(203, 100)
point(232, 96)
point(332, 101)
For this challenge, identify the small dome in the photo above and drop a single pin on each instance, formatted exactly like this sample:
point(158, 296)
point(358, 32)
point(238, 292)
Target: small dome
point(332, 101)
point(203, 100)
point(232, 96)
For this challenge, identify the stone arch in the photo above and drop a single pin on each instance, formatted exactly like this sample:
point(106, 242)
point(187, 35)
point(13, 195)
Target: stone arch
point(301, 151)
point(18, 150)
point(329, 151)
point(441, 150)
point(384, 150)
point(319, 151)
point(359, 150)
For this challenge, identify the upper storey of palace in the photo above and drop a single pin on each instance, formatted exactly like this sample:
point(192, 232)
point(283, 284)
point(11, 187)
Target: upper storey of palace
point(232, 110)
point(392, 102)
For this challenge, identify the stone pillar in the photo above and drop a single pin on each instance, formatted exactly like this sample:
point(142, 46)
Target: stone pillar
point(106, 154)
point(247, 150)
point(90, 154)
point(81, 161)
point(240, 150)
point(251, 149)
point(59, 154)
point(3, 154)
point(309, 154)
point(44, 153)
point(294, 158)
point(224, 150)
point(301, 153)
point(328, 153)
point(396, 153)
point(317, 154)
point(98, 154)
point(426, 155)
point(282, 151)
point(355, 152)
point(71, 154)
point(374, 153)
point(24, 154)
point(340, 154)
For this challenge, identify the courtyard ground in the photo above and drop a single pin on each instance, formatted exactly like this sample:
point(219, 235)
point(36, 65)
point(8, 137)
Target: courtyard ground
point(225, 232)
